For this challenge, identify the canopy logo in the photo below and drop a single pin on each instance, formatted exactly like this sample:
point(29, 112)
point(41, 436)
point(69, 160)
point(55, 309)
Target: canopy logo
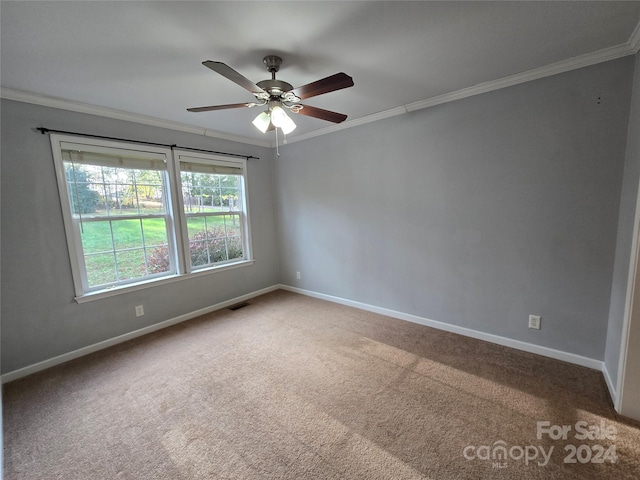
point(498, 453)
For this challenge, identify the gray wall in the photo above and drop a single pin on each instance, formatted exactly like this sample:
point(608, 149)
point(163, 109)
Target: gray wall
point(625, 231)
point(476, 213)
point(40, 319)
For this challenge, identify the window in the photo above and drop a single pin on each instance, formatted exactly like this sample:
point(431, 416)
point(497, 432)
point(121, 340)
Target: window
point(137, 214)
point(212, 204)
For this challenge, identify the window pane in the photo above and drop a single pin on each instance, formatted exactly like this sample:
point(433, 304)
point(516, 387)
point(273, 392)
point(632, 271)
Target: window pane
point(158, 260)
point(198, 246)
point(126, 233)
point(234, 247)
point(229, 192)
point(96, 237)
point(101, 269)
point(233, 237)
point(199, 253)
point(202, 192)
point(155, 231)
point(218, 250)
point(195, 225)
point(118, 250)
point(214, 239)
point(131, 264)
point(99, 190)
point(84, 195)
point(150, 191)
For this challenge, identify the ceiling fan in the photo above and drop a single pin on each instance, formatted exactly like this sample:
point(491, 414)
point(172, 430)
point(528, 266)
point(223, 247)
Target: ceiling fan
point(277, 95)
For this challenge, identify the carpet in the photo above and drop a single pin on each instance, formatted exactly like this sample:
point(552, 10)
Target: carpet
point(292, 387)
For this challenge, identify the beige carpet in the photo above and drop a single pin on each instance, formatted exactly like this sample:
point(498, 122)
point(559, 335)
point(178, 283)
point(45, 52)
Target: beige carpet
point(291, 387)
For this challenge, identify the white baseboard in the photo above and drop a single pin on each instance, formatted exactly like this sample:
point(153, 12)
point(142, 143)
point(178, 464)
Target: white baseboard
point(488, 337)
point(36, 367)
point(610, 384)
point(507, 342)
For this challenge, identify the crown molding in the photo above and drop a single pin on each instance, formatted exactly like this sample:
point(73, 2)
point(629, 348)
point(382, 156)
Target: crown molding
point(574, 63)
point(374, 117)
point(631, 47)
point(604, 55)
point(634, 39)
point(63, 104)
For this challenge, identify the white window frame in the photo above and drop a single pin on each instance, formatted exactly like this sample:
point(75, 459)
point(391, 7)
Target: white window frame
point(243, 214)
point(177, 239)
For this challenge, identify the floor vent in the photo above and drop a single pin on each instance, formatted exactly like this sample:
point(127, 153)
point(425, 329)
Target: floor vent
point(238, 306)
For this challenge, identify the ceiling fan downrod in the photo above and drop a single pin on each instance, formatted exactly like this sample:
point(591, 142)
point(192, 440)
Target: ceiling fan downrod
point(273, 63)
point(275, 88)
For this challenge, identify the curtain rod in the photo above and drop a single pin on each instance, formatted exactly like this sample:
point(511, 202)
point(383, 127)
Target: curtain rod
point(44, 130)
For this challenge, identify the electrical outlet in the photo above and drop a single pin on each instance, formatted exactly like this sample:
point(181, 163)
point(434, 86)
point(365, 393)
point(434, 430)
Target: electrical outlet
point(298, 275)
point(534, 321)
point(139, 310)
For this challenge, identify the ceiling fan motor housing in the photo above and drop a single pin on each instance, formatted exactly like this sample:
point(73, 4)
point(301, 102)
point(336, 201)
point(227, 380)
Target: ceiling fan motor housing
point(272, 62)
point(275, 88)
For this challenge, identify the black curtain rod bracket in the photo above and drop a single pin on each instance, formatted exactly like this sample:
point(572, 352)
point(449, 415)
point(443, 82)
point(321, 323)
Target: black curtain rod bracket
point(45, 130)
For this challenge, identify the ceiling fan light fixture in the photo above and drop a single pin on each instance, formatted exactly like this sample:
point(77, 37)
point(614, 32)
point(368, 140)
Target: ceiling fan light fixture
point(278, 116)
point(262, 122)
point(288, 125)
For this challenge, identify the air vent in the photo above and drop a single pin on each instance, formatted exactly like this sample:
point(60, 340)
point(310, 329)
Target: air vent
point(238, 306)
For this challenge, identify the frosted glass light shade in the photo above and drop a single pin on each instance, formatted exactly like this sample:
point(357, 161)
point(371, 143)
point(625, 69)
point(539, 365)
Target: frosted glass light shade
point(288, 125)
point(278, 116)
point(262, 122)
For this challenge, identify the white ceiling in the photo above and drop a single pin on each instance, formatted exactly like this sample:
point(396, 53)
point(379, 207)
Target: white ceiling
point(145, 57)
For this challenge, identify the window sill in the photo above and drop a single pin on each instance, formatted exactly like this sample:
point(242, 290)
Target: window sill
point(111, 292)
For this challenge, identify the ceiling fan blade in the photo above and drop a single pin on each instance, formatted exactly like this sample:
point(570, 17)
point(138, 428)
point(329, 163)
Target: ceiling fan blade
point(322, 114)
point(326, 85)
point(231, 74)
point(219, 107)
